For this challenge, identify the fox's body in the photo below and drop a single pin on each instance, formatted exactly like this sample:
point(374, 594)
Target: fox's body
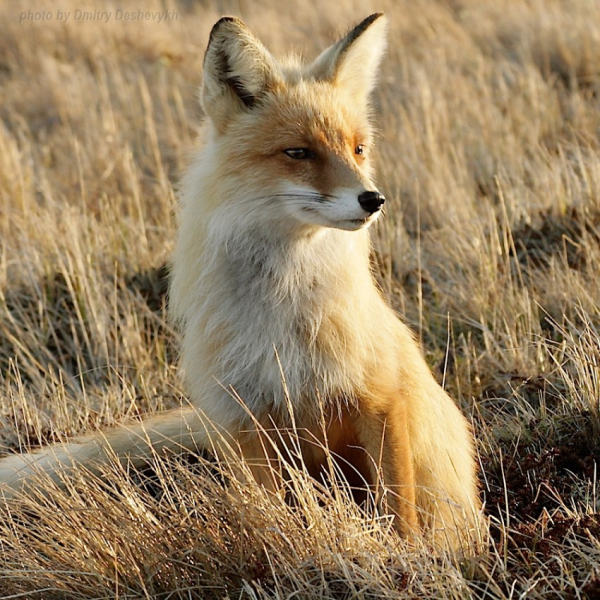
point(273, 290)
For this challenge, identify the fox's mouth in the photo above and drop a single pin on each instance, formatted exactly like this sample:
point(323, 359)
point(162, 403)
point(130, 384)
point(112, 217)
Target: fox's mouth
point(354, 224)
point(365, 220)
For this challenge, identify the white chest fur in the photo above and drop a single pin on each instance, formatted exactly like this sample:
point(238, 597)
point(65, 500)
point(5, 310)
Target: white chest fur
point(273, 316)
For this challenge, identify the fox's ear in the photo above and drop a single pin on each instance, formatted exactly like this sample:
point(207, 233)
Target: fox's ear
point(238, 70)
point(353, 62)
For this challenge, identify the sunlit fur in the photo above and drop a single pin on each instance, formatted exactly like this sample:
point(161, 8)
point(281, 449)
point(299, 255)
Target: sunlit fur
point(273, 291)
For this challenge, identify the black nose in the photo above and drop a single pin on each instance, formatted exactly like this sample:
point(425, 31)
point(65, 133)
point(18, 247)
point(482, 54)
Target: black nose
point(371, 201)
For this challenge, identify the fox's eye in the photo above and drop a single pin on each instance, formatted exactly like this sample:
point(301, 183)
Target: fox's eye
point(300, 153)
point(360, 150)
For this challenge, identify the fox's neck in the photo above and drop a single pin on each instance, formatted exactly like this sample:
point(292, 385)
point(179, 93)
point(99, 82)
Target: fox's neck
point(291, 266)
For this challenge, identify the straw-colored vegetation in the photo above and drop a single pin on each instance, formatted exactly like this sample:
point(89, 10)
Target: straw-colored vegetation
point(489, 154)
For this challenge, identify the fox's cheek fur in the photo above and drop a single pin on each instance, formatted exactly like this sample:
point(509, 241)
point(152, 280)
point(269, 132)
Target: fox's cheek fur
point(340, 209)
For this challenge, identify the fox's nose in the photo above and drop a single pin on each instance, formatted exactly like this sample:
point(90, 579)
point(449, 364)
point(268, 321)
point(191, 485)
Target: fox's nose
point(371, 201)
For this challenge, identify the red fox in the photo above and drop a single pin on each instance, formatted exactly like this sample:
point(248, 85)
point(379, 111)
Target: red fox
point(273, 290)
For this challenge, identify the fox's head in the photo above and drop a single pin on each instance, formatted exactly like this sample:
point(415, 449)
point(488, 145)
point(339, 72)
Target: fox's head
point(296, 137)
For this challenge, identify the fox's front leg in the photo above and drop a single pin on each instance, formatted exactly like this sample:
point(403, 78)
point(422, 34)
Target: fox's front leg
point(259, 453)
point(383, 433)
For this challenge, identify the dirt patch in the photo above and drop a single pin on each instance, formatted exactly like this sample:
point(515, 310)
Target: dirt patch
point(540, 474)
point(546, 535)
point(530, 498)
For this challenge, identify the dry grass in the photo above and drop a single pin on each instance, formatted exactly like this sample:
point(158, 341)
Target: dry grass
point(489, 155)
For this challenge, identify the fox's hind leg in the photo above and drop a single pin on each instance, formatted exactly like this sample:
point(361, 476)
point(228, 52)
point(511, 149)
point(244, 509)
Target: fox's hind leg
point(383, 433)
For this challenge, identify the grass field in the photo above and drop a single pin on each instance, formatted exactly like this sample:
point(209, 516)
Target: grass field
point(489, 155)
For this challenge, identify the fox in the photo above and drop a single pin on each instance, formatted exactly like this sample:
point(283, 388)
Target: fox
point(281, 318)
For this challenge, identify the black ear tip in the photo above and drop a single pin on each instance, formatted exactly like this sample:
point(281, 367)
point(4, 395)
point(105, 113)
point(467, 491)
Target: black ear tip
point(225, 21)
point(372, 18)
point(228, 19)
point(364, 25)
